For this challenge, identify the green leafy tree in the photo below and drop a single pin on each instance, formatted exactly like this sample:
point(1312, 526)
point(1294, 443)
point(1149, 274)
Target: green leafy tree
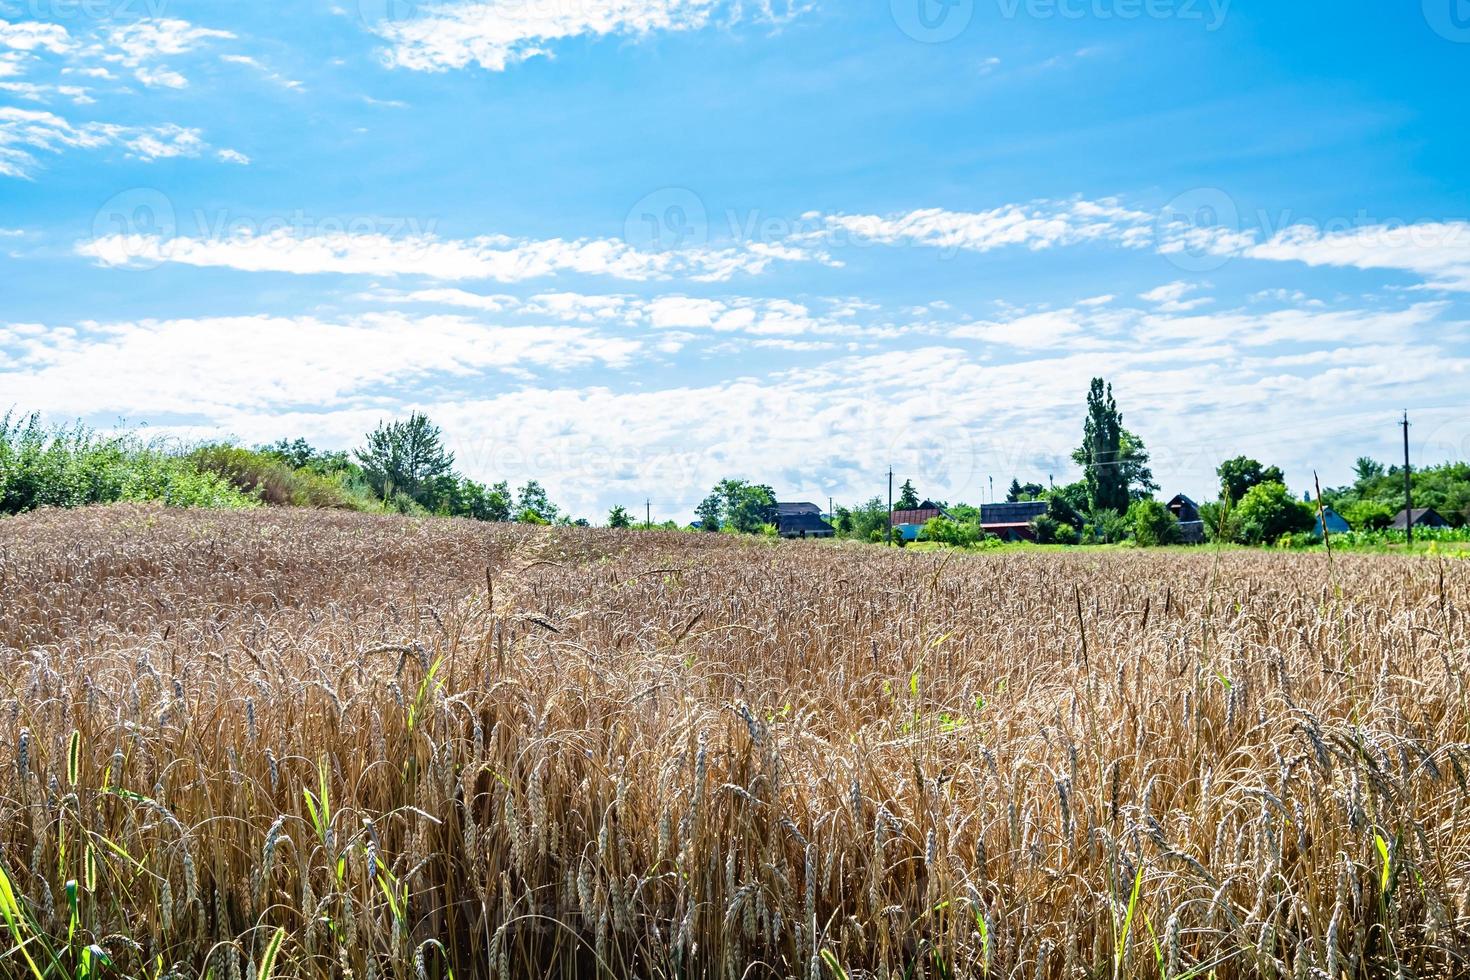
point(532, 499)
point(1367, 469)
point(1153, 523)
point(869, 519)
point(1101, 450)
point(843, 524)
point(956, 534)
point(1045, 528)
point(405, 457)
point(618, 518)
point(1239, 475)
point(1068, 503)
point(908, 497)
point(1133, 460)
point(1267, 511)
point(711, 512)
point(1015, 492)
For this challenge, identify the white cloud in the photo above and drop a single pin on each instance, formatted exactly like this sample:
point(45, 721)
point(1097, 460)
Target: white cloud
point(1439, 252)
point(267, 71)
point(146, 40)
point(233, 156)
point(44, 93)
point(498, 258)
point(1038, 225)
point(495, 34)
point(24, 132)
point(1170, 298)
point(35, 36)
point(138, 368)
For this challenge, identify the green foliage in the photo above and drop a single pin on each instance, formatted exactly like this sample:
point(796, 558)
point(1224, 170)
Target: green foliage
point(738, 507)
point(532, 499)
point(870, 521)
point(1024, 491)
point(1114, 461)
point(908, 497)
point(1268, 511)
point(407, 457)
point(957, 534)
point(1153, 523)
point(618, 518)
point(1445, 487)
point(1368, 515)
point(1045, 528)
point(1239, 475)
point(74, 466)
point(1105, 527)
point(273, 479)
point(1067, 534)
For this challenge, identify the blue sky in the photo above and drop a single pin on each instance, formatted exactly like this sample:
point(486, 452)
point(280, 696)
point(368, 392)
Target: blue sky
point(630, 247)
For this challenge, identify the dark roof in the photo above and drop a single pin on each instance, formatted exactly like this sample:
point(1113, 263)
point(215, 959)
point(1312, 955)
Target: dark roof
point(1183, 508)
point(1422, 517)
point(921, 516)
point(810, 523)
point(1012, 512)
point(797, 507)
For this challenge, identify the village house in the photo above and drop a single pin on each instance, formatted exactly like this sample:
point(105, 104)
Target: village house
point(1191, 526)
point(802, 520)
point(1012, 520)
point(1334, 522)
point(907, 524)
point(1421, 517)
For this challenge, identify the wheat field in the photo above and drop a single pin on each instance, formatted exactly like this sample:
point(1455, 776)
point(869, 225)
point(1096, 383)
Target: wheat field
point(300, 744)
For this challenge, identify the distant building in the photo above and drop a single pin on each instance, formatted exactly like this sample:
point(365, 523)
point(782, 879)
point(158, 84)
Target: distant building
point(1420, 517)
point(1191, 525)
point(1334, 521)
point(1011, 521)
point(908, 523)
point(802, 520)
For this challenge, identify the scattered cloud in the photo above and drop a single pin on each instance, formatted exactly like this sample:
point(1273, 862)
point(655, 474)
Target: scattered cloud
point(497, 258)
point(1038, 225)
point(1170, 298)
point(1437, 251)
point(25, 132)
point(495, 34)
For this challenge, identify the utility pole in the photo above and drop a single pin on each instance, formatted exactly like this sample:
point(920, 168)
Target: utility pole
point(1408, 487)
point(890, 507)
point(992, 489)
point(647, 513)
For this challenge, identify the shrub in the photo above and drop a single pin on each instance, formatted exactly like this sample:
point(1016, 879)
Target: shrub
point(1153, 523)
point(1046, 528)
point(1268, 511)
point(953, 533)
point(274, 481)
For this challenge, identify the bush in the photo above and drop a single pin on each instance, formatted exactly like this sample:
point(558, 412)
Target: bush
point(274, 481)
point(1269, 511)
point(74, 466)
point(1153, 523)
point(953, 533)
point(1046, 529)
point(1067, 534)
